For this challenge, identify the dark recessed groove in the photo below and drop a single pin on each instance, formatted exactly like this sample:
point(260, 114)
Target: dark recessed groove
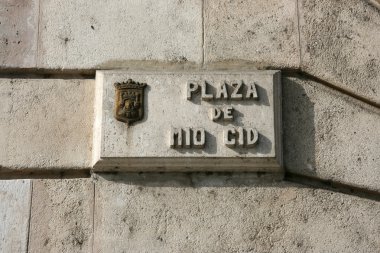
point(90, 74)
point(311, 77)
point(38, 174)
point(309, 182)
point(47, 74)
point(318, 183)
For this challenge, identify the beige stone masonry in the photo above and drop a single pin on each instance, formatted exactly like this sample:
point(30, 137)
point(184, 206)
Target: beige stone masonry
point(264, 33)
point(87, 182)
point(14, 215)
point(338, 41)
point(195, 213)
point(329, 135)
point(61, 216)
point(18, 33)
point(340, 44)
point(107, 34)
point(45, 124)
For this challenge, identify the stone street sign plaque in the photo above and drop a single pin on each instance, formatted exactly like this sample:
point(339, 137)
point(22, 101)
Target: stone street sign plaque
point(180, 121)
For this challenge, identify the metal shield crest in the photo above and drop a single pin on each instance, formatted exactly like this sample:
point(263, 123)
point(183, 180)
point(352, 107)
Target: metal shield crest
point(129, 101)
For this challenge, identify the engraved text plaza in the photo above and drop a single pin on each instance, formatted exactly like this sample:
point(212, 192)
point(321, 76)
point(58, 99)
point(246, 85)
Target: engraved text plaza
point(242, 137)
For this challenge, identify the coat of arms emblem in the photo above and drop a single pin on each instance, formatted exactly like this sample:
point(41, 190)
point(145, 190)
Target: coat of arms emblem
point(129, 101)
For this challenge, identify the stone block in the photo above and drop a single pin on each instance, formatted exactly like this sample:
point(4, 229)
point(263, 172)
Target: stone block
point(110, 34)
point(340, 44)
point(14, 215)
point(177, 107)
point(19, 32)
point(195, 213)
point(61, 216)
point(329, 135)
point(261, 33)
point(46, 124)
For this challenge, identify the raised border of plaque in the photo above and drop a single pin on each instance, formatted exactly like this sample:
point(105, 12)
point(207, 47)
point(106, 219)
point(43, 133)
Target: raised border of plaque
point(188, 121)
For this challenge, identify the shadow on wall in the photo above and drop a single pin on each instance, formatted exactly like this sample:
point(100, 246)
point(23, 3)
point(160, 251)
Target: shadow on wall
point(195, 179)
point(298, 127)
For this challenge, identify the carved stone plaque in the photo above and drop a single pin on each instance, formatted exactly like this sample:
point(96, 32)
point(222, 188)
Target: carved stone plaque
point(198, 121)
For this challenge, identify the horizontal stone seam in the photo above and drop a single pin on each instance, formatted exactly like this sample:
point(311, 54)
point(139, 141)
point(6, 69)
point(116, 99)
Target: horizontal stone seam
point(310, 182)
point(28, 74)
point(43, 174)
point(90, 74)
point(331, 185)
point(349, 93)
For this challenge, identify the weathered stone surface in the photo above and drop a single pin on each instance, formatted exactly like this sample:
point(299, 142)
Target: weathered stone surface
point(14, 215)
point(61, 217)
point(145, 145)
point(19, 31)
point(260, 32)
point(108, 34)
point(179, 213)
point(45, 123)
point(375, 3)
point(340, 44)
point(330, 135)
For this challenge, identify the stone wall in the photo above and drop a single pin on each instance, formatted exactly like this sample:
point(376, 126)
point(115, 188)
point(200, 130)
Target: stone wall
point(326, 201)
